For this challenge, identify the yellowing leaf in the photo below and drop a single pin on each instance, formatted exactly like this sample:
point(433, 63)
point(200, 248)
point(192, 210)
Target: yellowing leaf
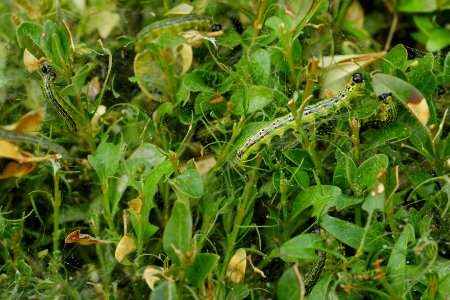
point(30, 61)
point(236, 267)
point(337, 69)
point(255, 269)
point(181, 9)
point(83, 239)
point(94, 87)
point(15, 169)
point(24, 162)
point(11, 151)
point(103, 21)
point(150, 277)
point(419, 107)
point(202, 164)
point(126, 246)
point(205, 164)
point(29, 123)
point(135, 205)
point(184, 57)
point(106, 21)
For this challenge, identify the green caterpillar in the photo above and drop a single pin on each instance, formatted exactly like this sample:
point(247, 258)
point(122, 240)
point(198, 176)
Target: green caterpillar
point(386, 113)
point(53, 99)
point(175, 26)
point(319, 111)
point(41, 142)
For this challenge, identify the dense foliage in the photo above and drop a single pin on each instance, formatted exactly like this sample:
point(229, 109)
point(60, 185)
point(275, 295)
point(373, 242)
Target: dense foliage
point(145, 158)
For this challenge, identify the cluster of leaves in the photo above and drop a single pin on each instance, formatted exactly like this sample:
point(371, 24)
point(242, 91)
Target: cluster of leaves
point(150, 174)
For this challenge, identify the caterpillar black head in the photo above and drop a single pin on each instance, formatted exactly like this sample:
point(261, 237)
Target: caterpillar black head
point(383, 97)
point(46, 69)
point(358, 78)
point(216, 27)
point(441, 90)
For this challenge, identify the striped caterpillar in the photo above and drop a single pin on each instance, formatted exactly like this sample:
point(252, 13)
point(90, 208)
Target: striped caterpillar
point(41, 142)
point(386, 113)
point(175, 26)
point(312, 114)
point(53, 99)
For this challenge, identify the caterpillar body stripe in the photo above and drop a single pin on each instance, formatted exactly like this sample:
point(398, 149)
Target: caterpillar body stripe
point(311, 114)
point(41, 142)
point(175, 26)
point(52, 97)
point(313, 274)
point(386, 113)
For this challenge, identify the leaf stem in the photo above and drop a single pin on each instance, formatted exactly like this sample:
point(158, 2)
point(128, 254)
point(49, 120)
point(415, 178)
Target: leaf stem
point(241, 212)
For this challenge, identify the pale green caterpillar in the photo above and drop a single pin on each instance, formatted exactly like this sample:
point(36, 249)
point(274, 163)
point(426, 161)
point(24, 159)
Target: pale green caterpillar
point(38, 141)
point(53, 99)
point(321, 110)
point(386, 113)
point(175, 26)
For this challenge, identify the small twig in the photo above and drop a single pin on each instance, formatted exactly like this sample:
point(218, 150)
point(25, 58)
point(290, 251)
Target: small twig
point(394, 23)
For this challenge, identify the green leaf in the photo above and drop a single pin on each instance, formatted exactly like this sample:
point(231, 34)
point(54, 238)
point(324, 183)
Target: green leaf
point(190, 183)
point(278, 59)
point(23, 267)
point(375, 199)
point(369, 169)
point(345, 173)
point(164, 109)
point(151, 183)
point(250, 99)
point(300, 158)
point(144, 159)
point(416, 6)
point(425, 24)
point(32, 31)
point(345, 201)
point(202, 102)
point(194, 81)
point(321, 197)
point(351, 234)
point(447, 68)
point(106, 159)
point(178, 232)
point(300, 176)
point(238, 292)
point(348, 233)
point(202, 266)
point(320, 290)
point(421, 141)
point(288, 287)
point(446, 151)
point(396, 58)
point(259, 67)
point(142, 228)
point(300, 9)
point(56, 43)
point(165, 291)
point(439, 39)
point(426, 83)
point(275, 22)
point(397, 260)
point(444, 286)
point(303, 246)
point(80, 78)
point(391, 133)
